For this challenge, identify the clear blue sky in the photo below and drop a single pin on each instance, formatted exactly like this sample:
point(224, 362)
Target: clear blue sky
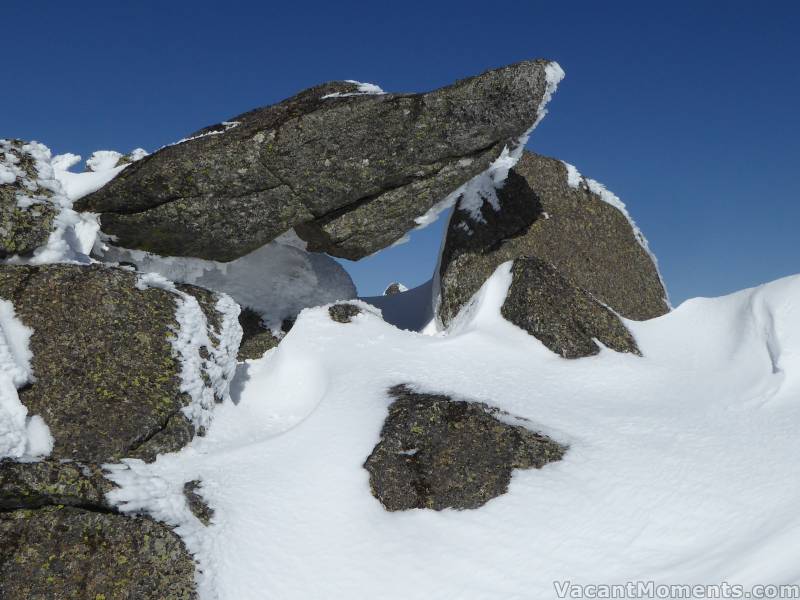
point(687, 110)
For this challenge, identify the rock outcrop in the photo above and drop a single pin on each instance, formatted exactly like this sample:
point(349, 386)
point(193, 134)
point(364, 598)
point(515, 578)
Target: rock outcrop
point(436, 452)
point(351, 171)
point(68, 552)
point(108, 378)
point(564, 317)
point(28, 197)
point(550, 212)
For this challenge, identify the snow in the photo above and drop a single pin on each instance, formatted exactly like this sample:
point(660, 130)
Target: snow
point(206, 377)
point(364, 89)
point(278, 280)
point(682, 464)
point(574, 180)
point(21, 437)
point(410, 309)
point(226, 126)
point(101, 168)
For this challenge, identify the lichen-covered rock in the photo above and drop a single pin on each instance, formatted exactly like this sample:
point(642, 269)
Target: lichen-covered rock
point(27, 203)
point(351, 171)
point(256, 338)
point(564, 317)
point(344, 312)
point(52, 482)
point(436, 452)
point(547, 213)
point(107, 376)
point(394, 288)
point(67, 552)
point(197, 504)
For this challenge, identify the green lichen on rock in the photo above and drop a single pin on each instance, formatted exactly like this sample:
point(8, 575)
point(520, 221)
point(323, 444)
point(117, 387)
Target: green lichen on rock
point(541, 215)
point(564, 317)
point(257, 339)
point(107, 378)
point(67, 552)
point(27, 212)
point(436, 452)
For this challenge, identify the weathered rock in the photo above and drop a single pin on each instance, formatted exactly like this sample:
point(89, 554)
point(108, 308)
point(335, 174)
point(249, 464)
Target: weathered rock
point(197, 504)
point(344, 312)
point(107, 381)
point(350, 171)
point(564, 317)
point(439, 453)
point(66, 552)
point(541, 215)
point(27, 189)
point(394, 288)
point(256, 338)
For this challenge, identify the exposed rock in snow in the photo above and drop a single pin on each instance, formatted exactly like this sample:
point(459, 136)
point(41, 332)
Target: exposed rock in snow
point(117, 371)
point(590, 241)
point(222, 196)
point(394, 288)
point(436, 452)
point(344, 312)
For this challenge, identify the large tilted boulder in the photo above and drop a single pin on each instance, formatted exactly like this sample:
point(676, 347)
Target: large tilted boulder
point(109, 380)
point(28, 197)
point(436, 452)
point(544, 213)
point(68, 552)
point(351, 171)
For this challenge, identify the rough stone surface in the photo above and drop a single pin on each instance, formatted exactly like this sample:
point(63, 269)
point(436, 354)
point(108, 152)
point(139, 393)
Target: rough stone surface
point(393, 288)
point(256, 338)
point(350, 172)
point(564, 317)
point(67, 552)
point(107, 383)
point(26, 210)
point(439, 453)
point(197, 504)
point(343, 313)
point(51, 482)
point(588, 240)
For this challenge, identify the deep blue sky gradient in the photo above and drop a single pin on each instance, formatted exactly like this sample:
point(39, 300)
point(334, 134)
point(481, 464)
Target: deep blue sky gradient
point(686, 110)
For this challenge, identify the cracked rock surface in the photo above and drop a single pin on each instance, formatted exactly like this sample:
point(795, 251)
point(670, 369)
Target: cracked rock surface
point(436, 452)
point(350, 172)
point(107, 383)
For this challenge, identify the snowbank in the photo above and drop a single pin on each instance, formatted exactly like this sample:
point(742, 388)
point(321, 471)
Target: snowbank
point(682, 464)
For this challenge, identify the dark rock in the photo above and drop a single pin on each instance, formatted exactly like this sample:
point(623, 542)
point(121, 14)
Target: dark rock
point(588, 240)
point(66, 552)
point(256, 338)
point(439, 453)
point(564, 317)
point(24, 227)
point(349, 172)
point(394, 288)
point(197, 504)
point(50, 483)
point(107, 381)
point(344, 313)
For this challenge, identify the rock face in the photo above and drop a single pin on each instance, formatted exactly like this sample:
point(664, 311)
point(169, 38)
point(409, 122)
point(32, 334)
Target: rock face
point(350, 171)
point(256, 339)
point(67, 552)
point(564, 317)
point(107, 380)
point(439, 453)
point(344, 312)
point(590, 241)
point(27, 203)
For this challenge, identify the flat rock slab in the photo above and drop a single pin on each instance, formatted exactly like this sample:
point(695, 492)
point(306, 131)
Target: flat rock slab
point(350, 171)
point(66, 552)
point(541, 215)
point(436, 452)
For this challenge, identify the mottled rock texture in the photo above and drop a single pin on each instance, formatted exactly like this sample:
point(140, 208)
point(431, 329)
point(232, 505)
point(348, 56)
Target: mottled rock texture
point(349, 171)
point(68, 552)
point(344, 313)
point(107, 382)
point(436, 452)
point(588, 240)
point(26, 208)
point(256, 338)
point(564, 317)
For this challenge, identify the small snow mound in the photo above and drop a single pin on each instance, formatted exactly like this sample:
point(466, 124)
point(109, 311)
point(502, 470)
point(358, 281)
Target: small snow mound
point(21, 437)
point(364, 89)
point(102, 167)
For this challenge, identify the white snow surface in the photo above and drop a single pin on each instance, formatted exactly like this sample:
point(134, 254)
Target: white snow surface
point(100, 169)
point(278, 280)
point(22, 437)
point(682, 464)
point(364, 89)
